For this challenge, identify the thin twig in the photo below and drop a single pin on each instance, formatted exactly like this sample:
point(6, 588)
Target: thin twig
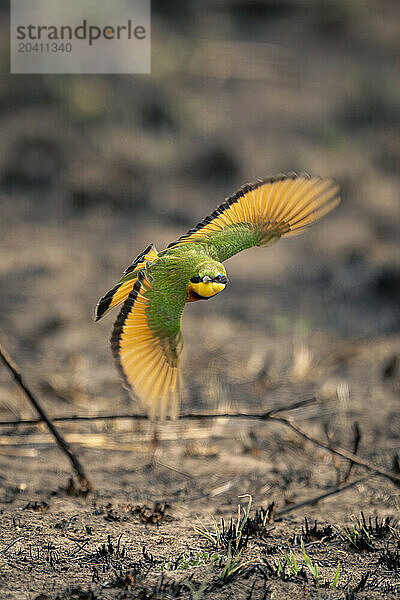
point(63, 445)
point(335, 458)
point(269, 415)
point(11, 544)
point(356, 445)
point(85, 543)
point(27, 422)
point(316, 499)
point(362, 462)
point(184, 417)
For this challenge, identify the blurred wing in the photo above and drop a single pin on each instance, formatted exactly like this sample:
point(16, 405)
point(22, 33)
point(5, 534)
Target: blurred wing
point(262, 212)
point(120, 292)
point(146, 343)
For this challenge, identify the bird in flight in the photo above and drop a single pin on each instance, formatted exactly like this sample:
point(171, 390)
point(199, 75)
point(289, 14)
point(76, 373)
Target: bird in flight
point(146, 340)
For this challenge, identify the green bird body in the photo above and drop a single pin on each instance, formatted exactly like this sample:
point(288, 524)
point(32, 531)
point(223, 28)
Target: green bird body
point(147, 340)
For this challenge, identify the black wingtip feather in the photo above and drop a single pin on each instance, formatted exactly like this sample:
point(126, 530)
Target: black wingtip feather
point(104, 303)
point(119, 325)
point(138, 259)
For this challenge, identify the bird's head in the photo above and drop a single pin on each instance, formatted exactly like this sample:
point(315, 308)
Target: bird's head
point(208, 280)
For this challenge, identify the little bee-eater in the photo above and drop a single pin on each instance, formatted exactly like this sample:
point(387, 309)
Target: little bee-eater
point(146, 340)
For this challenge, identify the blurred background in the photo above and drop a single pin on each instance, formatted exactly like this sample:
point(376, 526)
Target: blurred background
point(94, 168)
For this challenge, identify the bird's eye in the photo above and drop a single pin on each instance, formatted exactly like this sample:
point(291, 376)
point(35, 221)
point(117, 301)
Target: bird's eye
point(218, 278)
point(196, 279)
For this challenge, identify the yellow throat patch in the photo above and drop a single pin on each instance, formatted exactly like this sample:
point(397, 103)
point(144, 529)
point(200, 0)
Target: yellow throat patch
point(203, 291)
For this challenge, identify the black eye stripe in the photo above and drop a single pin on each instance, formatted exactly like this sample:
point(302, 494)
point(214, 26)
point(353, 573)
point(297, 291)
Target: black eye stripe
point(219, 279)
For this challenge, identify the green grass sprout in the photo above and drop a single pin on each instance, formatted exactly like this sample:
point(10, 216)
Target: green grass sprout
point(313, 568)
point(335, 580)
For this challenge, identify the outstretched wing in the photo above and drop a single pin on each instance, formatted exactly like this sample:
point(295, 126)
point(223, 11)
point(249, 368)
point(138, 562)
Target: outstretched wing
point(262, 212)
point(146, 343)
point(121, 290)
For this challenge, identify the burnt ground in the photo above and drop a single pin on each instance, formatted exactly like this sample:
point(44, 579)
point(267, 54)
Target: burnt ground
point(92, 169)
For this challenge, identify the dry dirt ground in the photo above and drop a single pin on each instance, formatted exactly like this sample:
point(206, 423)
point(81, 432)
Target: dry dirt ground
point(92, 169)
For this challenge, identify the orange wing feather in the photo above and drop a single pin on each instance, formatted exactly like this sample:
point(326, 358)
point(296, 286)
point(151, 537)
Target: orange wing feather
point(276, 206)
point(147, 363)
